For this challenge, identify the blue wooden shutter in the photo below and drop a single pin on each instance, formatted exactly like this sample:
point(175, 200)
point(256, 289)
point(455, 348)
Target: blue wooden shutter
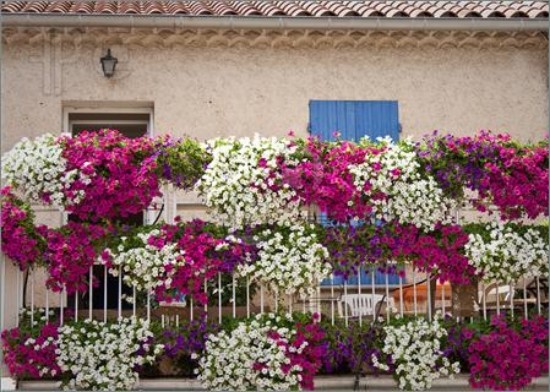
point(354, 120)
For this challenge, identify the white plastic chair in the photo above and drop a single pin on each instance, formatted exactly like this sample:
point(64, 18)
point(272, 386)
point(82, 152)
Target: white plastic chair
point(362, 304)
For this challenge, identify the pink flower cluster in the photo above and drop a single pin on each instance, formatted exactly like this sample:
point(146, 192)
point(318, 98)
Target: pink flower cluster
point(442, 250)
point(506, 359)
point(518, 182)
point(123, 180)
point(35, 359)
point(19, 240)
point(207, 253)
point(324, 178)
point(309, 359)
point(70, 253)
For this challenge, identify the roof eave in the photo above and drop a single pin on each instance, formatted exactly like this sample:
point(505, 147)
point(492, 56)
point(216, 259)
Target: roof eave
point(274, 23)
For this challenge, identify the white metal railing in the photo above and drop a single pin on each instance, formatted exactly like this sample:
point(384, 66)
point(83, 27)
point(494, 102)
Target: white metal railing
point(335, 302)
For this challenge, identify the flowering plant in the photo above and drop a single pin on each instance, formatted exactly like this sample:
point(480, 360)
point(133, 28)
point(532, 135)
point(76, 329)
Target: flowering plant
point(322, 177)
point(242, 184)
point(511, 176)
point(30, 351)
point(394, 184)
point(122, 177)
point(39, 170)
point(390, 246)
point(180, 162)
point(70, 252)
point(20, 242)
point(186, 344)
point(143, 262)
point(208, 250)
point(508, 359)
point(415, 349)
point(506, 252)
point(290, 260)
point(105, 356)
point(262, 355)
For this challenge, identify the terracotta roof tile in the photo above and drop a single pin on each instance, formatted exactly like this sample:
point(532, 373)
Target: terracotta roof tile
point(288, 8)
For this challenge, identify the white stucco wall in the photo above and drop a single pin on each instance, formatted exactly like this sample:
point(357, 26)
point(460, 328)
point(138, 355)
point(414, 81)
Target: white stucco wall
point(206, 92)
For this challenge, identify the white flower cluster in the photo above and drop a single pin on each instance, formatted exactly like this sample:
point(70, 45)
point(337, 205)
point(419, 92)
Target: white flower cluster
point(145, 267)
point(508, 255)
point(411, 198)
point(415, 349)
point(103, 356)
point(247, 359)
point(289, 262)
point(37, 168)
point(237, 189)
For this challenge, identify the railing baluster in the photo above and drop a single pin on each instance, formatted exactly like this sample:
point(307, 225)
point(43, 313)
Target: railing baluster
point(18, 295)
point(47, 303)
point(373, 290)
point(233, 294)
point(344, 304)
point(162, 320)
point(498, 298)
point(90, 292)
point(388, 307)
point(332, 297)
point(177, 320)
point(219, 297)
point(484, 291)
point(525, 313)
point(119, 292)
point(512, 289)
point(247, 296)
point(76, 306)
point(319, 303)
point(442, 297)
point(105, 295)
point(191, 308)
point(205, 308)
point(359, 292)
point(62, 304)
point(401, 304)
point(414, 292)
point(429, 295)
point(31, 278)
point(538, 295)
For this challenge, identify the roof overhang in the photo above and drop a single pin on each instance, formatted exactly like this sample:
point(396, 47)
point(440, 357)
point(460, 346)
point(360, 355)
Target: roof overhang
point(276, 23)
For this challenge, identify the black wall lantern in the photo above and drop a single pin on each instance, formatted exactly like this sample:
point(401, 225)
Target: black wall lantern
point(108, 63)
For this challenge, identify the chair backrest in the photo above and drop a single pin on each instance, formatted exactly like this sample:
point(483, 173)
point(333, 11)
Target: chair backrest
point(359, 304)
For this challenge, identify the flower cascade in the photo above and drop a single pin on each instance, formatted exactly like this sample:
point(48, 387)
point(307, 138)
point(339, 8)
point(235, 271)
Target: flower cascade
point(31, 355)
point(260, 355)
point(146, 265)
point(506, 359)
point(416, 352)
point(123, 179)
point(290, 260)
point(504, 254)
point(242, 184)
point(69, 254)
point(392, 182)
point(103, 356)
point(39, 170)
point(20, 241)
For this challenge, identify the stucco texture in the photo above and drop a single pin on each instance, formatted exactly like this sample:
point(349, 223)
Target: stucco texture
point(207, 92)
